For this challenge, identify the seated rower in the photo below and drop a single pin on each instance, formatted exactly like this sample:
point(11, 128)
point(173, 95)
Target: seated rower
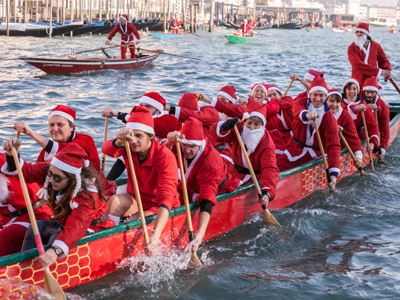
point(381, 110)
point(155, 168)
point(62, 130)
point(14, 219)
point(163, 124)
point(345, 123)
point(260, 148)
point(206, 172)
point(245, 28)
point(355, 105)
point(174, 25)
point(304, 144)
point(73, 190)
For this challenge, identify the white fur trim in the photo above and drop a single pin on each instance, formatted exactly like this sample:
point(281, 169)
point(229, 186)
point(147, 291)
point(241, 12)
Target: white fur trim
point(218, 130)
point(335, 93)
point(259, 85)
point(301, 119)
point(53, 151)
point(362, 30)
point(309, 77)
point(4, 168)
point(73, 204)
point(226, 157)
point(62, 114)
point(318, 88)
point(358, 154)
point(379, 73)
point(370, 88)
point(337, 170)
point(259, 115)
point(193, 142)
point(351, 80)
point(227, 96)
point(177, 112)
point(214, 101)
point(383, 151)
point(4, 190)
point(194, 160)
point(150, 101)
point(63, 246)
point(65, 167)
point(275, 88)
point(140, 126)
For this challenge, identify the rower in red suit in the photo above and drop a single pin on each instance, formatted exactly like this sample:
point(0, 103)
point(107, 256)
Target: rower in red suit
point(245, 28)
point(367, 57)
point(260, 149)
point(14, 219)
point(127, 31)
point(306, 81)
point(355, 105)
point(345, 123)
point(381, 110)
point(174, 25)
point(205, 171)
point(252, 24)
point(304, 144)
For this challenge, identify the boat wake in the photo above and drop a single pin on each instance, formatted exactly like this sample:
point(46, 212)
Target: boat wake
point(17, 289)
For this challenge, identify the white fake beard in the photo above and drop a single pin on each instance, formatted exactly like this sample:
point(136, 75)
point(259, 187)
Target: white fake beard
point(4, 191)
point(360, 41)
point(223, 117)
point(252, 138)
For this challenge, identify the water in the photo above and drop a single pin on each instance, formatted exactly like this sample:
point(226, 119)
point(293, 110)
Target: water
point(343, 245)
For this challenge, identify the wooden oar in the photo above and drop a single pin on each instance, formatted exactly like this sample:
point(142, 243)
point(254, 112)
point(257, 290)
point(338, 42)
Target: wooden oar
point(269, 218)
point(396, 86)
point(50, 283)
point(322, 150)
point(288, 88)
point(137, 193)
point(97, 49)
point(367, 137)
point(170, 54)
point(103, 158)
point(195, 258)
point(346, 144)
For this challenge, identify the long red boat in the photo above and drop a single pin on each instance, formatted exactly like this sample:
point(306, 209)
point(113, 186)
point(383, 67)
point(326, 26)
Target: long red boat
point(99, 254)
point(78, 65)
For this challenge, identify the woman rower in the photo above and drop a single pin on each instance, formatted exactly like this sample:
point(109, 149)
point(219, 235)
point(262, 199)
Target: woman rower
point(345, 123)
point(355, 106)
point(156, 170)
point(73, 190)
point(62, 130)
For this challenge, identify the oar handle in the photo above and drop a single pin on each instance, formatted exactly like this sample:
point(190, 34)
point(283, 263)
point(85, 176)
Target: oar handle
point(185, 191)
point(288, 88)
point(28, 203)
point(137, 192)
point(322, 150)
point(346, 144)
point(367, 137)
point(103, 158)
point(396, 86)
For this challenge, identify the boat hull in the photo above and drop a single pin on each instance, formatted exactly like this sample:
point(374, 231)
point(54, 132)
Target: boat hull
point(166, 35)
point(234, 39)
point(71, 66)
point(92, 259)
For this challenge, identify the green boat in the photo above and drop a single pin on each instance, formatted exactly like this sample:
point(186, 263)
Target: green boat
point(234, 39)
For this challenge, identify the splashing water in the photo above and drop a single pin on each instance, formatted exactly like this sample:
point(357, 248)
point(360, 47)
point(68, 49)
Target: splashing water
point(16, 289)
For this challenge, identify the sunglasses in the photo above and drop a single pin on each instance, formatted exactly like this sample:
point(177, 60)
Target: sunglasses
point(56, 178)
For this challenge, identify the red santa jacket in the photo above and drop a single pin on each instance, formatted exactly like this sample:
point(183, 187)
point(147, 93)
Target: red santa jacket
point(83, 140)
point(263, 160)
point(285, 114)
point(126, 31)
point(367, 63)
point(383, 114)
point(82, 213)
point(349, 132)
point(301, 97)
point(207, 175)
point(304, 138)
point(164, 124)
point(12, 199)
point(229, 109)
point(175, 24)
point(157, 176)
point(372, 126)
point(245, 28)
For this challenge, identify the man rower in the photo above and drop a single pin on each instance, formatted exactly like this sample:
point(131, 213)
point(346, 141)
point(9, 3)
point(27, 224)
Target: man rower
point(367, 57)
point(245, 28)
point(174, 25)
point(127, 30)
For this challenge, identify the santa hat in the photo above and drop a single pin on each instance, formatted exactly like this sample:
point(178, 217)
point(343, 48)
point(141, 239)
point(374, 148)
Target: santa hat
point(189, 101)
point(335, 92)
point(229, 92)
point(262, 85)
point(64, 111)
point(141, 119)
point(256, 109)
point(274, 87)
point(193, 131)
point(153, 99)
point(352, 81)
point(311, 74)
point(71, 159)
point(371, 84)
point(318, 84)
point(363, 27)
point(124, 17)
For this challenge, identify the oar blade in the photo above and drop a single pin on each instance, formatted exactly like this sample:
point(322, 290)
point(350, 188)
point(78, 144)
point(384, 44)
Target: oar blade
point(269, 218)
point(195, 260)
point(52, 286)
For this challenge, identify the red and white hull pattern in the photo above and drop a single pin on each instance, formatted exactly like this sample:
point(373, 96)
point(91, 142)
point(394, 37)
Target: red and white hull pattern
point(70, 66)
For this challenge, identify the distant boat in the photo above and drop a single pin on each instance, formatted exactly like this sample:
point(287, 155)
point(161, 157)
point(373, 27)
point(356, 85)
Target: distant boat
point(237, 39)
point(167, 35)
point(338, 29)
point(40, 29)
point(383, 22)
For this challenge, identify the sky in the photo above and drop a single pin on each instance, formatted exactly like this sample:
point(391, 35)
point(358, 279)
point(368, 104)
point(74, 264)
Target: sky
point(380, 2)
